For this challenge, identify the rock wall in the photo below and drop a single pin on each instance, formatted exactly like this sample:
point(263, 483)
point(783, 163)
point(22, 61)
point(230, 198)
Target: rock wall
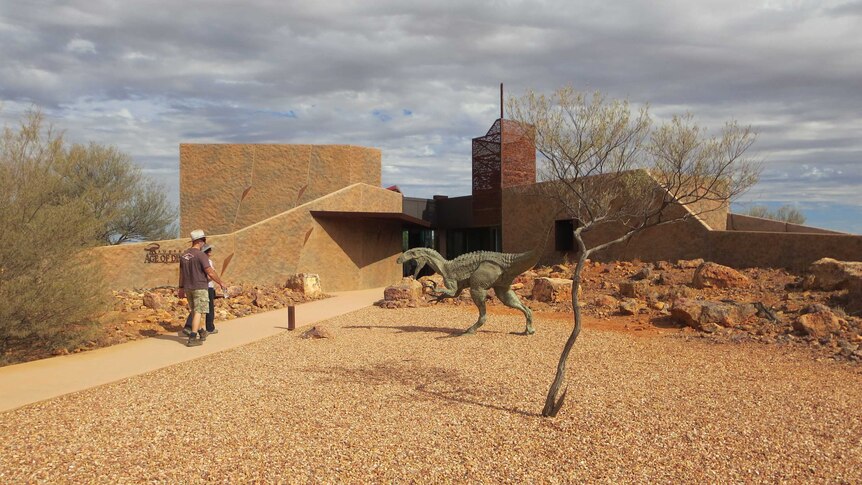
point(347, 254)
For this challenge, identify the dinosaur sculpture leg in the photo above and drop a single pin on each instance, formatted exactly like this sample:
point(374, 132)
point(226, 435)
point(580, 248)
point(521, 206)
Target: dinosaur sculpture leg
point(508, 297)
point(482, 279)
point(478, 296)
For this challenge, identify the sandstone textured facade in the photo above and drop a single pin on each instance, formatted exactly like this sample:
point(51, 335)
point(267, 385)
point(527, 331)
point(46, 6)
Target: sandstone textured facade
point(347, 256)
point(225, 187)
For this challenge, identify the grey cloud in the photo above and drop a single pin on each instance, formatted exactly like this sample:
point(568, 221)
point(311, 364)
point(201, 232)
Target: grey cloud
point(206, 71)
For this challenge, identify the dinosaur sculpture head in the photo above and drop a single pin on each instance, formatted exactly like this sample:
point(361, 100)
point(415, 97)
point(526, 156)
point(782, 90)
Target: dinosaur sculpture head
point(420, 255)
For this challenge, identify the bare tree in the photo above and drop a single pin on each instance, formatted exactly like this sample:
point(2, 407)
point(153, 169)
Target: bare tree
point(785, 213)
point(128, 205)
point(788, 213)
point(608, 167)
point(759, 211)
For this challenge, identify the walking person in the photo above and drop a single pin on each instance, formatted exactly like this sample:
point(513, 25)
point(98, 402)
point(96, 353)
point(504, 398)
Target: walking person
point(210, 317)
point(195, 273)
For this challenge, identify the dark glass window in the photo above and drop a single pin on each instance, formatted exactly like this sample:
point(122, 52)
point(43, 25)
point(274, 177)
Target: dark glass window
point(564, 239)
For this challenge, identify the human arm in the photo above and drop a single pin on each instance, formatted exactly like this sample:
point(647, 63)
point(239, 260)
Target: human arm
point(215, 277)
point(181, 293)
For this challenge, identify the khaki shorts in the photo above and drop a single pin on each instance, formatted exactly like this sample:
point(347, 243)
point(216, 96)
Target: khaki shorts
point(199, 300)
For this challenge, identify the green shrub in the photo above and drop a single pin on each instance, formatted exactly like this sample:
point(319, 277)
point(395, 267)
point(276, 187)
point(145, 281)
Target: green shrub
point(57, 201)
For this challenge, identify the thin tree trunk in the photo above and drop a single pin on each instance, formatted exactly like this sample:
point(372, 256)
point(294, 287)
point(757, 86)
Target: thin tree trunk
point(552, 403)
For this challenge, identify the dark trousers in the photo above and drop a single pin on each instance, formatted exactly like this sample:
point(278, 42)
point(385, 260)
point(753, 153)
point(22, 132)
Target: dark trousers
point(210, 317)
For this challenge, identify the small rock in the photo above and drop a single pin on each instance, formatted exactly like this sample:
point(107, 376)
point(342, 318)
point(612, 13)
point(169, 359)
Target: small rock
point(689, 263)
point(152, 300)
point(561, 268)
point(630, 306)
point(553, 290)
point(606, 301)
point(317, 331)
point(643, 274)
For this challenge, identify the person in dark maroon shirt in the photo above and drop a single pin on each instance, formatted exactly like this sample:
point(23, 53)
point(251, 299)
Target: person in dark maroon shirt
point(195, 272)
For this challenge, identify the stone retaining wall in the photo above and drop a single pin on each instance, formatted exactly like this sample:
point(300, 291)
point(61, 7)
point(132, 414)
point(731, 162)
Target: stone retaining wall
point(348, 255)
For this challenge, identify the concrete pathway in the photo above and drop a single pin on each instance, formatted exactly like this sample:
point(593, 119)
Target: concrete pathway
point(35, 381)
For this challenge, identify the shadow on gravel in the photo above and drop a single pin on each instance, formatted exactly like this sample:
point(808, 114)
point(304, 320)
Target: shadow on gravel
point(436, 382)
point(451, 332)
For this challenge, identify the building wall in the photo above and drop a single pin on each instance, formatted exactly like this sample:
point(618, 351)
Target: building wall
point(712, 212)
point(740, 222)
point(526, 219)
point(225, 187)
point(348, 255)
point(794, 251)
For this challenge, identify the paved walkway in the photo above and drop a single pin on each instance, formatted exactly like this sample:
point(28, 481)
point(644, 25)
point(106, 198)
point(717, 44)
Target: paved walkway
point(35, 381)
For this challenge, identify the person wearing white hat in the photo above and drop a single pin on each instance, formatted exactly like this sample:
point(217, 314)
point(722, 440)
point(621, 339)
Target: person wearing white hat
point(210, 317)
point(195, 273)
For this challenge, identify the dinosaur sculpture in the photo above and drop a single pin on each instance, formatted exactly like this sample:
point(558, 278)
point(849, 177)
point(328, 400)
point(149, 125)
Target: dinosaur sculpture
point(479, 271)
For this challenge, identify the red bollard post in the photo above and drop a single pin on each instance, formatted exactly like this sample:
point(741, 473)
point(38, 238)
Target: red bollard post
point(291, 317)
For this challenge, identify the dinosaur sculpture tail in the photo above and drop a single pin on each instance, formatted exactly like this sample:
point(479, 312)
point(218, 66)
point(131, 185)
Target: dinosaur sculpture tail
point(527, 260)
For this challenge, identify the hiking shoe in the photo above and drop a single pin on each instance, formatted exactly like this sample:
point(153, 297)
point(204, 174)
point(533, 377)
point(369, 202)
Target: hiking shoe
point(215, 330)
point(203, 334)
point(187, 331)
point(194, 342)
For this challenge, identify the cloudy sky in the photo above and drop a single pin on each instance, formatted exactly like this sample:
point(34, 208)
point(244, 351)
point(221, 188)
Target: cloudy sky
point(420, 79)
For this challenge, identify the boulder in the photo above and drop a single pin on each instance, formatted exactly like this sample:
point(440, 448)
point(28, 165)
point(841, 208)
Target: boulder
point(712, 275)
point(606, 301)
point(317, 331)
point(830, 274)
point(553, 290)
point(854, 296)
point(152, 300)
point(307, 284)
point(631, 306)
point(635, 289)
point(707, 316)
point(407, 290)
point(817, 321)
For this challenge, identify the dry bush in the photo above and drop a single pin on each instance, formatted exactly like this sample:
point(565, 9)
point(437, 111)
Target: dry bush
point(49, 292)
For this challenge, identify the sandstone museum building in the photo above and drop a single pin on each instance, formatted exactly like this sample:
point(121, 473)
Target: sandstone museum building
point(274, 211)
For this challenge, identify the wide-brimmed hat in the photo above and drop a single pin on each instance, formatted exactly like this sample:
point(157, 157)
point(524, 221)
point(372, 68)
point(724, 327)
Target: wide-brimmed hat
point(206, 247)
point(198, 234)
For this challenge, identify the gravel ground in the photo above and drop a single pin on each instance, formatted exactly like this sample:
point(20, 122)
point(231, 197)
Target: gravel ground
point(393, 397)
